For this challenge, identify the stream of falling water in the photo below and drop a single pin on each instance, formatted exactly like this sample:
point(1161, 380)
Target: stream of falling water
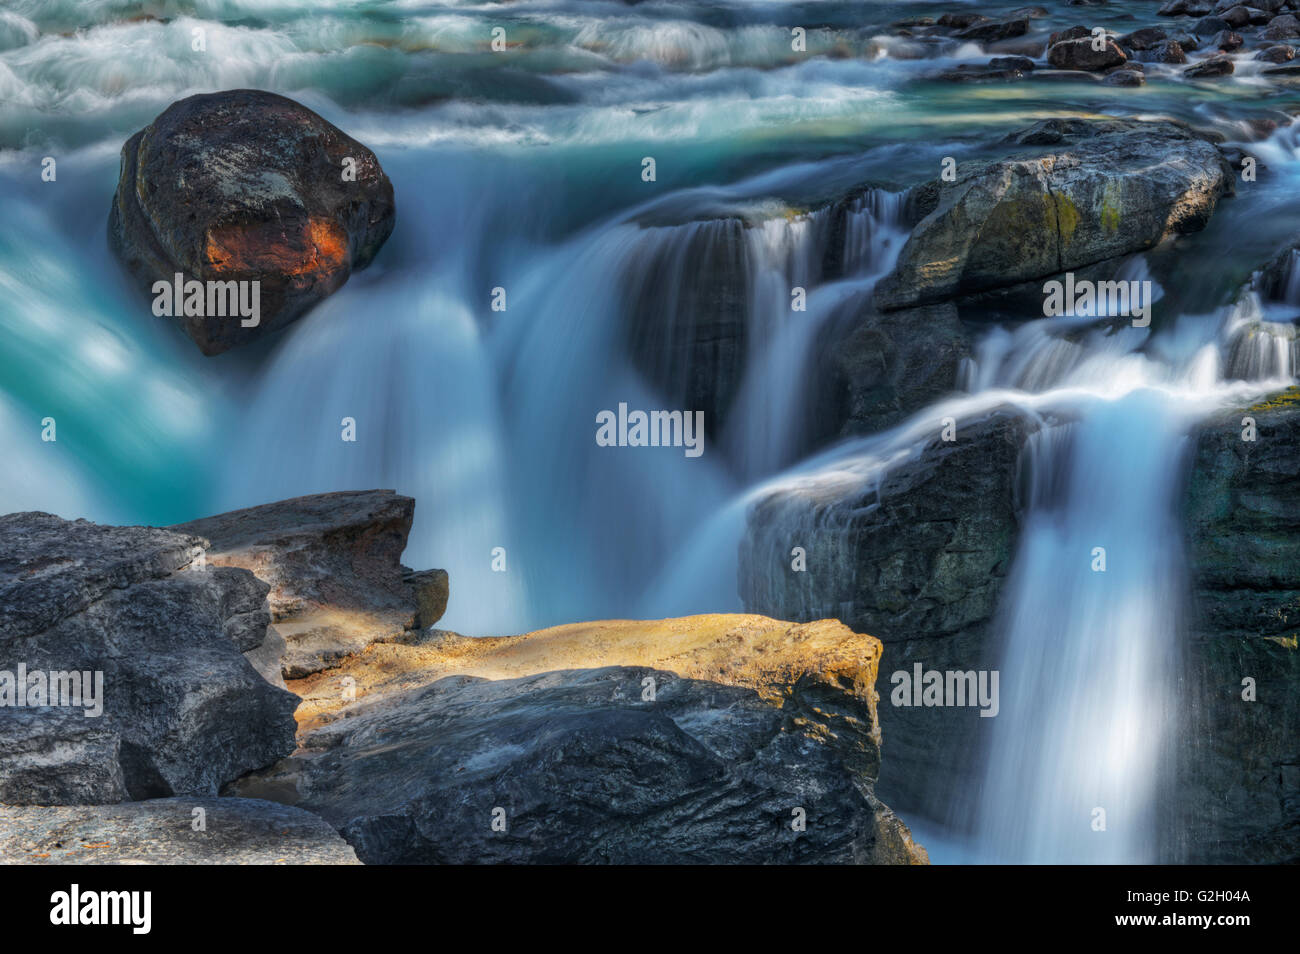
point(1090, 624)
point(523, 172)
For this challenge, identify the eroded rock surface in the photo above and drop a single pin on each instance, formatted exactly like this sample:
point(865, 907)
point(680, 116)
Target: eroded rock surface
point(183, 711)
point(896, 363)
point(919, 555)
point(1239, 774)
point(333, 564)
point(687, 740)
point(161, 831)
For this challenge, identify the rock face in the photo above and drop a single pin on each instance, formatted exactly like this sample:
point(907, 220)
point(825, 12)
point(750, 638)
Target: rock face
point(919, 555)
point(239, 831)
point(56, 757)
point(897, 363)
point(247, 186)
point(432, 589)
point(692, 740)
point(924, 550)
point(333, 563)
point(687, 308)
point(182, 710)
point(1239, 777)
point(700, 292)
point(1091, 191)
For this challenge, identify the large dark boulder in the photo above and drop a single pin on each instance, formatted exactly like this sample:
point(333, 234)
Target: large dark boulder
point(246, 186)
point(1088, 191)
point(183, 710)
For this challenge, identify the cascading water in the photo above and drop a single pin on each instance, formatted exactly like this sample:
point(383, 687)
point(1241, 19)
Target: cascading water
point(1091, 614)
point(770, 416)
point(523, 171)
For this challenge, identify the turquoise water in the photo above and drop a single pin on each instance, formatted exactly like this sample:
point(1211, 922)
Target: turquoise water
point(522, 169)
point(508, 168)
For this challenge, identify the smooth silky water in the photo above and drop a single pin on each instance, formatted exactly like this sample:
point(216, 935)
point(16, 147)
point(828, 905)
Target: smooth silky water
point(522, 170)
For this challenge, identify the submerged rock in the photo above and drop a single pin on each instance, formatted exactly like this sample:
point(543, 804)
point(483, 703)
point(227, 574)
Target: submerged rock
point(182, 710)
point(1214, 66)
point(717, 739)
point(994, 30)
point(1276, 54)
point(1097, 190)
point(247, 186)
point(1022, 63)
point(1081, 54)
point(1125, 78)
point(333, 563)
point(967, 73)
point(237, 831)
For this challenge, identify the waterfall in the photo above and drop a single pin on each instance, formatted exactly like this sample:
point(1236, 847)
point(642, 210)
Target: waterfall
point(523, 170)
point(1090, 616)
point(771, 422)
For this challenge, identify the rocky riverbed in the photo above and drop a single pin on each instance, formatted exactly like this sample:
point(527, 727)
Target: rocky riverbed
point(991, 318)
point(706, 739)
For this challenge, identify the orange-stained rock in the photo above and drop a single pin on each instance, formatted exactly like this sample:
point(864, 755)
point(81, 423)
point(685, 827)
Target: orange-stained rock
point(247, 186)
